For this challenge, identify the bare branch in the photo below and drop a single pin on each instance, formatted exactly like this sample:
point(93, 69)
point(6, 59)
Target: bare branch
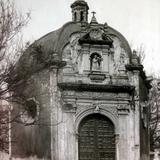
point(154, 104)
point(11, 47)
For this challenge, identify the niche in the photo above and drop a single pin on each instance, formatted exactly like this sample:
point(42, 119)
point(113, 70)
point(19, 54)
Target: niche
point(95, 62)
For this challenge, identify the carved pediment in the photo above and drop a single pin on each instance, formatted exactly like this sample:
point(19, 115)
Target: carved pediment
point(96, 36)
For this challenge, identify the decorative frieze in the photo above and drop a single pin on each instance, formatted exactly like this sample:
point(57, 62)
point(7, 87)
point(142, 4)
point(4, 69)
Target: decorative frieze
point(95, 95)
point(97, 107)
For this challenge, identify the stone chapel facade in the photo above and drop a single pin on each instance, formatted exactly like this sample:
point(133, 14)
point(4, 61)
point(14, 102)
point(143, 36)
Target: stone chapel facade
point(89, 98)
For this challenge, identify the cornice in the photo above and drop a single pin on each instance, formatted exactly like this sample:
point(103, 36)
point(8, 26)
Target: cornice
point(97, 87)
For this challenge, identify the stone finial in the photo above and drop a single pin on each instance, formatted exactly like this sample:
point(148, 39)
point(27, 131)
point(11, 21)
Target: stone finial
point(134, 52)
point(55, 61)
point(105, 27)
point(135, 58)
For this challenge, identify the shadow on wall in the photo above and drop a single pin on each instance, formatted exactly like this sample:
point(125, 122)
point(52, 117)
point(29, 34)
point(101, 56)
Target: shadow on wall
point(5, 156)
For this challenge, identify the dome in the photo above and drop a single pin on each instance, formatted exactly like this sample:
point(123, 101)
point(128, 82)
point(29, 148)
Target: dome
point(43, 50)
point(56, 40)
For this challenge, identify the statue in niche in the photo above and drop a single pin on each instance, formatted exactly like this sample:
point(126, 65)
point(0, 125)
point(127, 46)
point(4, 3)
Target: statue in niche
point(95, 62)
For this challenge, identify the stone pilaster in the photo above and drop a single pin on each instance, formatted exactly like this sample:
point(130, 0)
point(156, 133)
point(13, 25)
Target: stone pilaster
point(54, 107)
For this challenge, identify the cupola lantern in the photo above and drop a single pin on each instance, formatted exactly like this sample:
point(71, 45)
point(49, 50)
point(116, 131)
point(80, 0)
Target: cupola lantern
point(79, 11)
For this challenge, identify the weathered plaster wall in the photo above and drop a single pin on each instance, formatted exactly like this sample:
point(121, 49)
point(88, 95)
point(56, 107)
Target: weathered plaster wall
point(34, 139)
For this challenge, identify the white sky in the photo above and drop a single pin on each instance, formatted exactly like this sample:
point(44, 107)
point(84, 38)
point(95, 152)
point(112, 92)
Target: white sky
point(137, 20)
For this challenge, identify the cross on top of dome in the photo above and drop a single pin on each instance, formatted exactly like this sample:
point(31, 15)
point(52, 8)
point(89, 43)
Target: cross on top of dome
point(93, 20)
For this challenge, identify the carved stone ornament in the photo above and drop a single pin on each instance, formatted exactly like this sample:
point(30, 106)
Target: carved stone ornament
point(71, 54)
point(97, 108)
point(95, 76)
point(95, 34)
point(96, 67)
point(96, 63)
point(120, 60)
point(123, 109)
point(117, 138)
point(69, 107)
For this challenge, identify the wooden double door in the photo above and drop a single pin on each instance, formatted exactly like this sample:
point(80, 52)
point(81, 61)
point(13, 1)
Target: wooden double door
point(96, 138)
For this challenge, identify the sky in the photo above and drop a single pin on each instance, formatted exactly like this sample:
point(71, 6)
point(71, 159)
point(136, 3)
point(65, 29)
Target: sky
point(137, 20)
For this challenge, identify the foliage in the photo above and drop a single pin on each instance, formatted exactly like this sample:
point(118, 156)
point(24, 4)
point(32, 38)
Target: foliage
point(11, 47)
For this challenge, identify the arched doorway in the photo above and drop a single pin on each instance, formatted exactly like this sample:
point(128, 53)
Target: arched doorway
point(96, 138)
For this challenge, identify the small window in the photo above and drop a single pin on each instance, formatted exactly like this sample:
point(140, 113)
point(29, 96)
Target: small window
point(82, 17)
point(75, 16)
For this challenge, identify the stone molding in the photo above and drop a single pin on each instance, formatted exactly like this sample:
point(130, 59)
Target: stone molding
point(99, 110)
point(97, 76)
point(97, 87)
